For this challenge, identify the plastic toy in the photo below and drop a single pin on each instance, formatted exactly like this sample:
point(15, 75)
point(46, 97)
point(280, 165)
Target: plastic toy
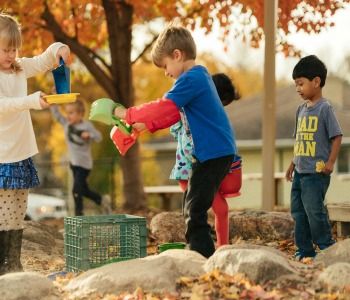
point(122, 134)
point(61, 76)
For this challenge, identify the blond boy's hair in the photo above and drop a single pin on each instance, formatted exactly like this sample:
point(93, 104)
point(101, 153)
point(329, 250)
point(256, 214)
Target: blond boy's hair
point(10, 35)
point(78, 105)
point(173, 37)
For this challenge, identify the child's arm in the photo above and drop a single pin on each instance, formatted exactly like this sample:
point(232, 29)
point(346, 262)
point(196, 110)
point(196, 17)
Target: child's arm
point(14, 104)
point(57, 115)
point(289, 172)
point(336, 142)
point(91, 133)
point(155, 115)
point(45, 61)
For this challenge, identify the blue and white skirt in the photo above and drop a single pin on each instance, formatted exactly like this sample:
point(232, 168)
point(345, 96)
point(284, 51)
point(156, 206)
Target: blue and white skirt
point(18, 175)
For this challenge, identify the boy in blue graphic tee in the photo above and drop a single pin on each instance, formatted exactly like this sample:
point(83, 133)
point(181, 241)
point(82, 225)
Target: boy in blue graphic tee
point(317, 142)
point(193, 93)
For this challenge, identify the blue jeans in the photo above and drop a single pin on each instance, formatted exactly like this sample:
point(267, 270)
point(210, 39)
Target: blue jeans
point(309, 212)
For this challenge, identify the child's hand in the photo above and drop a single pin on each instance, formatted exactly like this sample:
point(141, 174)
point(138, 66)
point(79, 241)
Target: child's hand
point(53, 91)
point(289, 172)
point(85, 135)
point(63, 52)
point(139, 126)
point(43, 102)
point(328, 168)
point(120, 112)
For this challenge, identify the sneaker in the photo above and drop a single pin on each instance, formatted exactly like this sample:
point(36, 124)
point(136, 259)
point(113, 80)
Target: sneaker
point(106, 204)
point(300, 255)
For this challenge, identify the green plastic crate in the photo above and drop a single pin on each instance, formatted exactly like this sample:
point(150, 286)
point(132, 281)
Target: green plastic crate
point(92, 241)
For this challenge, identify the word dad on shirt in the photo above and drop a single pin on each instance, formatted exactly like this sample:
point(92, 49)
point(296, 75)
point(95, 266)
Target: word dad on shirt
point(305, 144)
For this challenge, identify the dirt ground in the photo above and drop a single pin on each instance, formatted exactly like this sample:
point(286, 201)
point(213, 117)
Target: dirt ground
point(212, 286)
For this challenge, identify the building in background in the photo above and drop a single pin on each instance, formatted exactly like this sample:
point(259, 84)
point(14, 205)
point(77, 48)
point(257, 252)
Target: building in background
point(246, 117)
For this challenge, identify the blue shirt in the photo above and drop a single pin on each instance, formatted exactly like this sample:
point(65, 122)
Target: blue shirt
point(314, 129)
point(194, 91)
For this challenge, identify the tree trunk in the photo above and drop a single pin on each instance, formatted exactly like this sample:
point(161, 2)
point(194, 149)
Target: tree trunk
point(132, 183)
point(119, 22)
point(115, 79)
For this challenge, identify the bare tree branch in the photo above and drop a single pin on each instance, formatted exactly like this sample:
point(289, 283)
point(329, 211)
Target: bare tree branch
point(75, 25)
point(155, 36)
point(149, 45)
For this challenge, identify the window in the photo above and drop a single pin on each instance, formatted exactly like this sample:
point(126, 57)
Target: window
point(343, 161)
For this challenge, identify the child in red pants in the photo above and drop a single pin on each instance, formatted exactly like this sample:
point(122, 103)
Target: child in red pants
point(183, 164)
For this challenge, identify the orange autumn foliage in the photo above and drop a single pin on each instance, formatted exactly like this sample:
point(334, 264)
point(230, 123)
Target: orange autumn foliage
point(85, 20)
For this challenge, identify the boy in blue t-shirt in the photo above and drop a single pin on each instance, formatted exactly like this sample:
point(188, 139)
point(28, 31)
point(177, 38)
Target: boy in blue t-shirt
point(317, 142)
point(193, 93)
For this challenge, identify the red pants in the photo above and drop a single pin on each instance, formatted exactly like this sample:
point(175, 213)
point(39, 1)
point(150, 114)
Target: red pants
point(220, 209)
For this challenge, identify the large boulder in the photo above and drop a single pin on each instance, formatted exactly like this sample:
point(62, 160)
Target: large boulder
point(168, 227)
point(339, 252)
point(42, 248)
point(27, 286)
point(336, 276)
point(48, 237)
point(157, 273)
point(259, 264)
point(269, 226)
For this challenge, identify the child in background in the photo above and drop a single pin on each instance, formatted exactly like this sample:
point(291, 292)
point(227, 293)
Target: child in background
point(183, 165)
point(79, 135)
point(214, 149)
point(18, 144)
point(317, 142)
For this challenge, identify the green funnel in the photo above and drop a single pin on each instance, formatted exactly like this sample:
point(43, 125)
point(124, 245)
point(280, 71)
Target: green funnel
point(102, 111)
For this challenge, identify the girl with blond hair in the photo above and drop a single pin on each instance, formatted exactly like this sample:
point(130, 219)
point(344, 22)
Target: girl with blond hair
point(18, 143)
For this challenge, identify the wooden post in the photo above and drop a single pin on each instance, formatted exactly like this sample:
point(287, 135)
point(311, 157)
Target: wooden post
point(269, 106)
point(70, 200)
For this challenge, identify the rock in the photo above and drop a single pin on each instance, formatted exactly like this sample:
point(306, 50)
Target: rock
point(336, 276)
point(251, 246)
point(168, 227)
point(27, 286)
point(42, 248)
point(258, 263)
point(268, 226)
point(339, 252)
point(50, 240)
point(157, 273)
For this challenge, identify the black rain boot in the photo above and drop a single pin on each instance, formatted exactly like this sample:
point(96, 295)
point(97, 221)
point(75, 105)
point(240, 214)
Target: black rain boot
point(4, 243)
point(14, 251)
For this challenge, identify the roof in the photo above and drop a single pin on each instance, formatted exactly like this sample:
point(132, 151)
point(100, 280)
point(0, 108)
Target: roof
point(246, 114)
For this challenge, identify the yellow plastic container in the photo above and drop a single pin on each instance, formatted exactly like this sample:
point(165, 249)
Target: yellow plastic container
point(61, 98)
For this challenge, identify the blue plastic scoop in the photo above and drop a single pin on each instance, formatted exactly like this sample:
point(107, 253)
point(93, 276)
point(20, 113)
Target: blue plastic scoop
point(61, 76)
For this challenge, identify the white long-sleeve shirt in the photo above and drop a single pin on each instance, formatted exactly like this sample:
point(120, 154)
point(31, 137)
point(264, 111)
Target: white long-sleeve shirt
point(17, 139)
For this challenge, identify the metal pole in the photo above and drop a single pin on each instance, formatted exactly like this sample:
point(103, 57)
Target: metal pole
point(269, 106)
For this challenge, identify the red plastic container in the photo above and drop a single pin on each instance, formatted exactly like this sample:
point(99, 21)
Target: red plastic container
point(123, 141)
point(232, 182)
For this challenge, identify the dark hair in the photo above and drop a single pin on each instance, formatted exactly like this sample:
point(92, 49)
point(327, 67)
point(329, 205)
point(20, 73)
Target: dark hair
point(310, 67)
point(226, 90)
